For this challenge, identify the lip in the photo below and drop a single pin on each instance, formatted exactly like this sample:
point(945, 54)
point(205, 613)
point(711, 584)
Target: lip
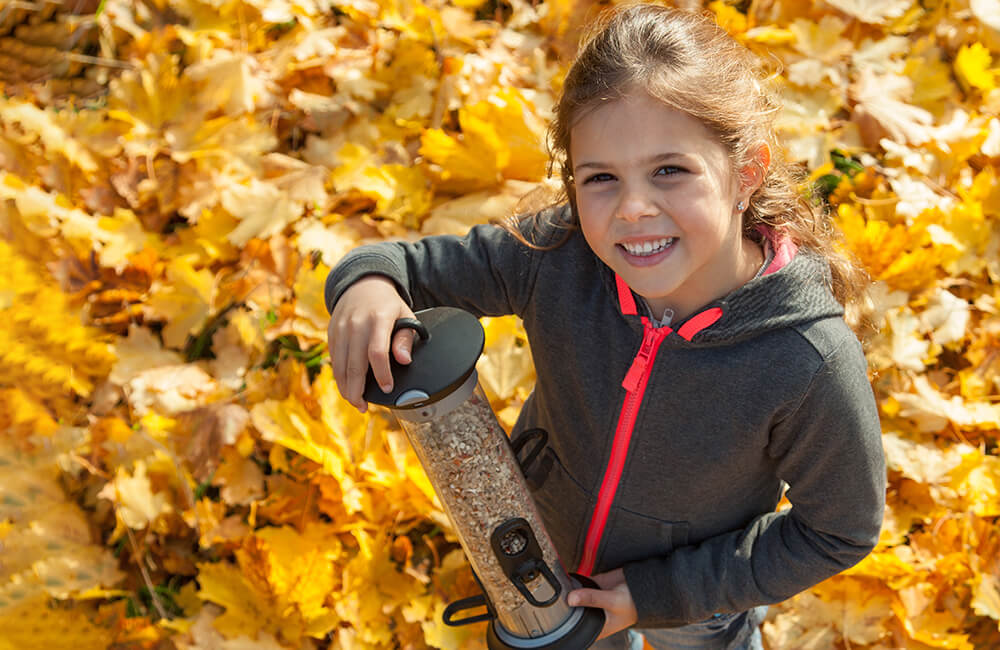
point(646, 260)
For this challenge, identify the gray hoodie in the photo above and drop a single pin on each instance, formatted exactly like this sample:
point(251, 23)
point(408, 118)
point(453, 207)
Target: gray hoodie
point(670, 447)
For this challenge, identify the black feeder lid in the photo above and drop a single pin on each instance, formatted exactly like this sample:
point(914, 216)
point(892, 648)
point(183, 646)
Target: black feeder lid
point(441, 361)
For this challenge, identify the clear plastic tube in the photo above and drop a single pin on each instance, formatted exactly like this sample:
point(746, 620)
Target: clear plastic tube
point(469, 461)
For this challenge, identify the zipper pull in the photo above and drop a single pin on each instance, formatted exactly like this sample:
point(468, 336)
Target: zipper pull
point(641, 361)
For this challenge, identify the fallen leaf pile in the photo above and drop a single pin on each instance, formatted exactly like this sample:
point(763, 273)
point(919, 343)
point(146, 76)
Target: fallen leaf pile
point(177, 177)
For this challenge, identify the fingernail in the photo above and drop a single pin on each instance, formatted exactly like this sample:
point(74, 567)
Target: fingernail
point(572, 600)
point(386, 388)
point(404, 356)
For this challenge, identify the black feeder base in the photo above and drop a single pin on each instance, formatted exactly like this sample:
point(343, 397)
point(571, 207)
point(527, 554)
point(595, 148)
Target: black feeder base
point(579, 637)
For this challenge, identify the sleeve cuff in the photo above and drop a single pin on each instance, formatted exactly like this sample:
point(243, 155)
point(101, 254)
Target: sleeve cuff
point(346, 274)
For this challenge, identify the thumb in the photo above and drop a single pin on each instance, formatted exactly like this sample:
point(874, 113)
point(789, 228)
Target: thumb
point(591, 598)
point(402, 345)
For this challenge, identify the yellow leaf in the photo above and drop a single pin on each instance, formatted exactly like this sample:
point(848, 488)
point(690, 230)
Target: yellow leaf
point(232, 81)
point(137, 505)
point(77, 569)
point(185, 302)
point(821, 40)
point(501, 138)
point(148, 99)
point(281, 586)
point(374, 588)
point(138, 352)
point(310, 302)
point(986, 596)
point(505, 364)
point(770, 35)
point(246, 612)
point(978, 480)
point(875, 12)
point(52, 135)
point(401, 192)
point(241, 479)
point(123, 237)
point(971, 67)
point(456, 216)
point(288, 424)
point(882, 109)
point(932, 410)
point(931, 76)
point(39, 624)
point(729, 18)
point(262, 208)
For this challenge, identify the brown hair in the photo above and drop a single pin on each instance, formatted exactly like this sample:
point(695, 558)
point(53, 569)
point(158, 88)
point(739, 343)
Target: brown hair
point(685, 60)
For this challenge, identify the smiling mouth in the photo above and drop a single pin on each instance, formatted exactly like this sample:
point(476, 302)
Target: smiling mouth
point(647, 248)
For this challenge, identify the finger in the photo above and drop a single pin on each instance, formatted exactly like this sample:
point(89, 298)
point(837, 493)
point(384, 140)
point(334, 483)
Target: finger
point(402, 345)
point(337, 344)
point(378, 353)
point(356, 365)
point(593, 598)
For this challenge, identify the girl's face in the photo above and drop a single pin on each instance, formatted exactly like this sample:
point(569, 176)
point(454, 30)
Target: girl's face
point(657, 203)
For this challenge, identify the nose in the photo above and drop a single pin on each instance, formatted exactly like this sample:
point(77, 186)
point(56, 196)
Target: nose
point(634, 204)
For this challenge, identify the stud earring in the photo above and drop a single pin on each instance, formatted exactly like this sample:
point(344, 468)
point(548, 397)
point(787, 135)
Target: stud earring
point(741, 206)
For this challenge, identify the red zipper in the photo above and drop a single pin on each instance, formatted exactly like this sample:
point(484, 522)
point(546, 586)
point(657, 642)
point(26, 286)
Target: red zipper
point(635, 383)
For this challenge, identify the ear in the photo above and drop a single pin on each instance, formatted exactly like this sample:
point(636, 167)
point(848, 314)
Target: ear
point(753, 173)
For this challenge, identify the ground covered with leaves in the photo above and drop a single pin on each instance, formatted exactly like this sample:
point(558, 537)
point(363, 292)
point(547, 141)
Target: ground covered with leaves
point(178, 176)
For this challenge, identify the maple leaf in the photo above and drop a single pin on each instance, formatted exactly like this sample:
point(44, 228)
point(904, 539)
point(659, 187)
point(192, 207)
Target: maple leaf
point(932, 410)
point(986, 596)
point(37, 623)
point(877, 12)
point(456, 216)
point(972, 67)
point(138, 352)
point(185, 301)
point(232, 81)
point(506, 361)
point(881, 109)
point(499, 139)
point(262, 208)
point(821, 40)
point(149, 100)
point(241, 479)
point(280, 587)
point(203, 636)
point(171, 389)
point(52, 135)
point(947, 315)
point(137, 505)
point(332, 242)
point(401, 193)
point(977, 479)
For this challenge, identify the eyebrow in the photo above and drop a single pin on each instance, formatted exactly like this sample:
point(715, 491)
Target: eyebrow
point(652, 159)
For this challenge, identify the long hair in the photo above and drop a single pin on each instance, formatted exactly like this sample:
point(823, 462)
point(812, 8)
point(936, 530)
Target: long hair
point(685, 60)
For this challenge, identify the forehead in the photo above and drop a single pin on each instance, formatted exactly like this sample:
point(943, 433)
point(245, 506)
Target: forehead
point(639, 125)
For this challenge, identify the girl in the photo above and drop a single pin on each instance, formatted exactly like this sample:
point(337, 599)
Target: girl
point(685, 311)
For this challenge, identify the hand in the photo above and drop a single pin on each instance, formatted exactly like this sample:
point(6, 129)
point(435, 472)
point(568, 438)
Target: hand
point(359, 335)
point(613, 597)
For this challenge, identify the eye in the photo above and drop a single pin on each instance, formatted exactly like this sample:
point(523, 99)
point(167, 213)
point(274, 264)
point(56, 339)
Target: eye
point(600, 177)
point(668, 170)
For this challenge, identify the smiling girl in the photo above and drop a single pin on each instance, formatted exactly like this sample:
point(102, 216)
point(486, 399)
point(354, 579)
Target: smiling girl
point(685, 311)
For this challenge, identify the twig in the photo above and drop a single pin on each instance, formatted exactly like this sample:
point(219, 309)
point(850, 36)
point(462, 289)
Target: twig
point(140, 560)
point(87, 465)
point(99, 60)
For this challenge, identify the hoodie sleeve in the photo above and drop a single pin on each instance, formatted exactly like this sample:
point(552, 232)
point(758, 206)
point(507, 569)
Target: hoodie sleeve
point(829, 452)
point(487, 272)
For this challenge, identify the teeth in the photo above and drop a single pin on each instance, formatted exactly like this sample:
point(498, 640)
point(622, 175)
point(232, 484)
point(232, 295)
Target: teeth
point(648, 247)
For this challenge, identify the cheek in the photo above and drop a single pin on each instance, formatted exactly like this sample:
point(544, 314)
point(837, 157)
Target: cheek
point(594, 230)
